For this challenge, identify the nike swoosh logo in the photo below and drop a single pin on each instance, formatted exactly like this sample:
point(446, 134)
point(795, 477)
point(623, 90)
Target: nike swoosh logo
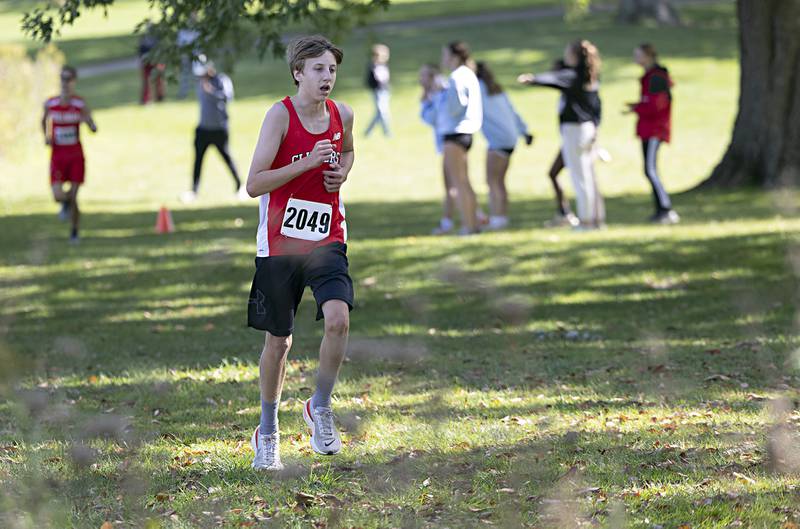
point(329, 443)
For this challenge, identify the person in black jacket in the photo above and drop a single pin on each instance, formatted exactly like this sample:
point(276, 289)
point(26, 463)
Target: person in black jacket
point(581, 110)
point(378, 81)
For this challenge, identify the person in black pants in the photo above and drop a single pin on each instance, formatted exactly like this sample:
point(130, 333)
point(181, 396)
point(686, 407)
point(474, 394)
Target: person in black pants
point(214, 90)
point(654, 125)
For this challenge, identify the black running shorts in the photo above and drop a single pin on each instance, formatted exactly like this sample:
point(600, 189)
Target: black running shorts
point(464, 140)
point(280, 280)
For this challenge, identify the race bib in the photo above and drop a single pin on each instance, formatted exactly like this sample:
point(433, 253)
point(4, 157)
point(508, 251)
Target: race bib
point(310, 221)
point(66, 135)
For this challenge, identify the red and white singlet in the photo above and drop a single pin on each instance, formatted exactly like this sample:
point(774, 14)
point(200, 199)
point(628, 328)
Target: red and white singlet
point(65, 119)
point(301, 215)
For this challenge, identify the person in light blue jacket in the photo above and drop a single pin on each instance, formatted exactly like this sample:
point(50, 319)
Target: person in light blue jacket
point(433, 112)
point(502, 126)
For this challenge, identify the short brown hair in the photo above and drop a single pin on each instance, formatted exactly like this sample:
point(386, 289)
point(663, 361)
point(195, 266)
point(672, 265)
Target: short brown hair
point(69, 70)
point(303, 48)
point(649, 50)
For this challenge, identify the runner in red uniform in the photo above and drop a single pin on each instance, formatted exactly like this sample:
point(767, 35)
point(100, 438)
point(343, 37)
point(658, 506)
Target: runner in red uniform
point(303, 156)
point(61, 122)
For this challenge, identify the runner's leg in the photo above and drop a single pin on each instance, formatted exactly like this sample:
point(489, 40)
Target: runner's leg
point(331, 350)
point(272, 371)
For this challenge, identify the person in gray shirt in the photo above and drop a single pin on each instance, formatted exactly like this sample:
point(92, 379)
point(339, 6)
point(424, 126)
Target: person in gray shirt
point(214, 90)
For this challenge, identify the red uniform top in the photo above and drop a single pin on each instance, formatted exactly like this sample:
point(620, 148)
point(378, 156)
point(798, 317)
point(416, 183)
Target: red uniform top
point(655, 106)
point(301, 215)
point(65, 119)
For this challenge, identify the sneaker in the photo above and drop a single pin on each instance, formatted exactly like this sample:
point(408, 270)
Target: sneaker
point(74, 240)
point(497, 223)
point(560, 221)
point(666, 217)
point(63, 213)
point(324, 437)
point(445, 226)
point(187, 197)
point(242, 194)
point(267, 451)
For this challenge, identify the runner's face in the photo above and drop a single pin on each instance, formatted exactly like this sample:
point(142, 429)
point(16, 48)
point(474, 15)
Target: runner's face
point(641, 58)
point(67, 82)
point(318, 76)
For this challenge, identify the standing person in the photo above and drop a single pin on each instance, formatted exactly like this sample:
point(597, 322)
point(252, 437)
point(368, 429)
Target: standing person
point(147, 43)
point(214, 90)
point(654, 125)
point(303, 156)
point(61, 122)
point(463, 116)
point(378, 81)
point(580, 114)
point(433, 112)
point(502, 126)
point(563, 215)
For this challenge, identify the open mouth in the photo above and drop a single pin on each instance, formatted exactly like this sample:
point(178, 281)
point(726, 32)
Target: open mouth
point(325, 89)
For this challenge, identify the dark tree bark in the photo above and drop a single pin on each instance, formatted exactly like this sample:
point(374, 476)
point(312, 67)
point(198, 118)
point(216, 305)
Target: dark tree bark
point(634, 11)
point(765, 147)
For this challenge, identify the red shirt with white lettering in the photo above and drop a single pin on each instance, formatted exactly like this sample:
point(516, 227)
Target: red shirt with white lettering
point(301, 215)
point(65, 122)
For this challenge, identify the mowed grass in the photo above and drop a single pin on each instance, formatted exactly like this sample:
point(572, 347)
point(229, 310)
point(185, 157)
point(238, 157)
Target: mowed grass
point(636, 377)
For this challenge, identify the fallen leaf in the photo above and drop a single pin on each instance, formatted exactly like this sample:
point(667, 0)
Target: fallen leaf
point(106, 525)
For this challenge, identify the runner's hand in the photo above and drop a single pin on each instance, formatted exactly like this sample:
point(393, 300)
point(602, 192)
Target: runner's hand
point(320, 154)
point(334, 178)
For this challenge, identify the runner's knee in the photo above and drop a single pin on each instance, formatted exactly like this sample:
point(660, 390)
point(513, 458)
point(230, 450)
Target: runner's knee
point(337, 321)
point(276, 348)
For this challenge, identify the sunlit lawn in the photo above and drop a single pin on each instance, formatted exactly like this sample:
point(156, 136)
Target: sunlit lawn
point(639, 376)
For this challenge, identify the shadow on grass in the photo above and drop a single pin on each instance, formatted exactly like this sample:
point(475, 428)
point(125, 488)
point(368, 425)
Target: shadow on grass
point(616, 301)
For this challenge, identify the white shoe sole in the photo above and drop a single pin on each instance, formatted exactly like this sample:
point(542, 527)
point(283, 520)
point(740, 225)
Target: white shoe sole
point(326, 451)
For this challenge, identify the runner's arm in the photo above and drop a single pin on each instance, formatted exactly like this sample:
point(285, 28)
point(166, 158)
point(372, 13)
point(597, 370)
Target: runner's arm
point(261, 179)
point(86, 117)
point(45, 115)
point(337, 174)
point(348, 151)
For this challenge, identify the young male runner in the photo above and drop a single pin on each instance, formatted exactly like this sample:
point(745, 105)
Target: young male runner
point(61, 122)
point(303, 156)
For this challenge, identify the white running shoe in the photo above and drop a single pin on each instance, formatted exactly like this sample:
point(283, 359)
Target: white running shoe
point(187, 197)
point(445, 226)
point(267, 451)
point(324, 437)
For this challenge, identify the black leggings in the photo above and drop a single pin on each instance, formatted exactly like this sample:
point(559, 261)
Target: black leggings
point(219, 139)
point(660, 197)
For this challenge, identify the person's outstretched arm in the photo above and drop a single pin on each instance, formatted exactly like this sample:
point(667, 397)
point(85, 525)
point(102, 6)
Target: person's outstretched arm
point(262, 179)
point(559, 79)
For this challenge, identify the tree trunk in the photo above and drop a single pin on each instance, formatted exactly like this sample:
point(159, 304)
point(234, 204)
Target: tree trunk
point(765, 147)
point(633, 11)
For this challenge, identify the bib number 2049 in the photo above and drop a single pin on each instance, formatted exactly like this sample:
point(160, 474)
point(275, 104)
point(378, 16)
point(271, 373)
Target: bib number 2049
point(310, 221)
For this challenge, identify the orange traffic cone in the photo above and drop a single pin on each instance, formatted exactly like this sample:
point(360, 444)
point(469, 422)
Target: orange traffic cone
point(164, 222)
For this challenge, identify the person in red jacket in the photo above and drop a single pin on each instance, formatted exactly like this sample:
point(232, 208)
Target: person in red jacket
point(653, 127)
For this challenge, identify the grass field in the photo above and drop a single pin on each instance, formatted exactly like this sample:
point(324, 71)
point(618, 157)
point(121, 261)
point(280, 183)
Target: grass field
point(639, 376)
